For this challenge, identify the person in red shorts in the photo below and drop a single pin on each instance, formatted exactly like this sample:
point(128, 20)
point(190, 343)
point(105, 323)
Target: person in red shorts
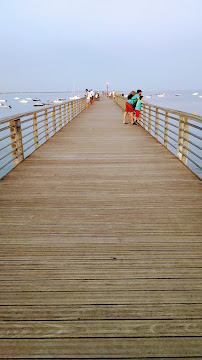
point(129, 108)
point(138, 108)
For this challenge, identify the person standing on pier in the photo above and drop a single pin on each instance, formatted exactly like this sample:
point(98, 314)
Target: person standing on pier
point(138, 108)
point(132, 99)
point(87, 99)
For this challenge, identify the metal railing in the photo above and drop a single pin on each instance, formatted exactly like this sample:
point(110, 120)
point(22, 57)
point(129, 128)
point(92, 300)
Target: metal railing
point(178, 131)
point(22, 134)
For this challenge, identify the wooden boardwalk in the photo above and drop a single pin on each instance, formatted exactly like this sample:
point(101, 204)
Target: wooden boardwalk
point(101, 247)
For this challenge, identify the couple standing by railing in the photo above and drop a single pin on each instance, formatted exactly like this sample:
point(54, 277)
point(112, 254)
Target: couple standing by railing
point(133, 106)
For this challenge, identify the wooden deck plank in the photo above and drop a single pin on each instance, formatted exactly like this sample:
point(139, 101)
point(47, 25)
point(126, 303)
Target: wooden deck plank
point(101, 312)
point(98, 285)
point(95, 328)
point(101, 247)
point(102, 347)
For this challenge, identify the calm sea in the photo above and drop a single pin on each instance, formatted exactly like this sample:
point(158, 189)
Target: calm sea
point(185, 102)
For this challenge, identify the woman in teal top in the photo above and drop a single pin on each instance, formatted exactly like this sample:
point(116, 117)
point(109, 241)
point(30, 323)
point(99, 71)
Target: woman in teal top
point(133, 100)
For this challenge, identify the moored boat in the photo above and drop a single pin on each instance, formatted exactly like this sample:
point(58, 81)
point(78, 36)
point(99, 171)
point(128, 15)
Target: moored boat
point(23, 101)
point(38, 104)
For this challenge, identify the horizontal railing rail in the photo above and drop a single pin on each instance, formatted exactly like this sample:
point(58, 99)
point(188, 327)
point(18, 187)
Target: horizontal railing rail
point(178, 131)
point(22, 134)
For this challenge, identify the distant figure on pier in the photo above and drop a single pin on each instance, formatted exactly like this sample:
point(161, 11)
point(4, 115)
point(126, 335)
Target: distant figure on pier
point(91, 96)
point(87, 99)
point(97, 96)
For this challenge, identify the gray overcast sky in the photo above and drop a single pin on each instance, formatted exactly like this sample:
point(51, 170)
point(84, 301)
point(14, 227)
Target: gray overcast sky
point(47, 45)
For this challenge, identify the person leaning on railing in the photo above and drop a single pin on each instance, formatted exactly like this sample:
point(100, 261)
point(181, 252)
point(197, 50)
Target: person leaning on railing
point(131, 101)
point(138, 108)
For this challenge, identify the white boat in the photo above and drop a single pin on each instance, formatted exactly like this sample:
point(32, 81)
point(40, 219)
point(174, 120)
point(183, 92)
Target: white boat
point(28, 98)
point(200, 96)
point(57, 101)
point(5, 106)
point(161, 95)
point(48, 103)
point(38, 104)
point(195, 94)
point(23, 101)
point(36, 99)
point(76, 97)
point(16, 98)
point(75, 93)
point(1, 101)
point(148, 96)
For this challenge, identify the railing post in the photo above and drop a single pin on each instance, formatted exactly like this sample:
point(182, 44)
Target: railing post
point(185, 141)
point(72, 111)
point(183, 137)
point(46, 124)
point(64, 115)
point(16, 141)
point(149, 120)
point(144, 118)
point(35, 132)
point(166, 130)
point(157, 124)
point(180, 138)
point(60, 117)
point(68, 112)
point(77, 107)
point(54, 121)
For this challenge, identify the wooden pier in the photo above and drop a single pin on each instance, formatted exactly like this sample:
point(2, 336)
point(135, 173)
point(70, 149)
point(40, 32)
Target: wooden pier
point(101, 247)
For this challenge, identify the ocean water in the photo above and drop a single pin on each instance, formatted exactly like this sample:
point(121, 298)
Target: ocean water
point(18, 108)
point(186, 102)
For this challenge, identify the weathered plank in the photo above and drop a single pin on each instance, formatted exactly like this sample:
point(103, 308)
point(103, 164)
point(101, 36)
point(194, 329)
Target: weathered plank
point(101, 312)
point(99, 285)
point(101, 297)
point(93, 329)
point(102, 348)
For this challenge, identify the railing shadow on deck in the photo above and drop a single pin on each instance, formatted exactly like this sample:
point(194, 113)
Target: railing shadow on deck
point(179, 132)
point(24, 133)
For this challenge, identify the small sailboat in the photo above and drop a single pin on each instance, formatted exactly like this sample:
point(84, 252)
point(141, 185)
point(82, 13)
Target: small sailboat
point(28, 98)
point(23, 101)
point(58, 101)
point(48, 103)
point(161, 95)
point(36, 99)
point(3, 101)
point(75, 95)
point(195, 93)
point(200, 96)
point(148, 96)
point(16, 98)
